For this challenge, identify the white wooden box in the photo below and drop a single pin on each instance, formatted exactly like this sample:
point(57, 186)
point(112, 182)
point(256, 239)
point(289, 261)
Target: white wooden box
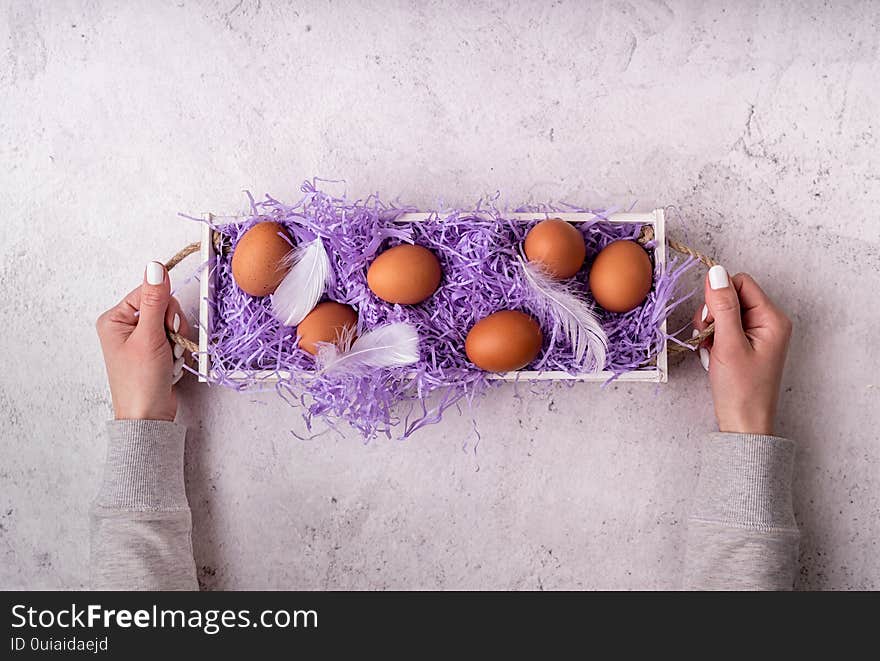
point(656, 373)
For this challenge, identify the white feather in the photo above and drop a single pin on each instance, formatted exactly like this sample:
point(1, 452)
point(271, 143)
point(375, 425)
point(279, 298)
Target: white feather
point(387, 346)
point(579, 322)
point(304, 283)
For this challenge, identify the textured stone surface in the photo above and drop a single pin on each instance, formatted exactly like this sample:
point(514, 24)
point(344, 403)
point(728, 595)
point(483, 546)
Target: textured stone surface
point(759, 120)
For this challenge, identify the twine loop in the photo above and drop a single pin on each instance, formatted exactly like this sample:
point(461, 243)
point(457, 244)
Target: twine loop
point(179, 256)
point(690, 344)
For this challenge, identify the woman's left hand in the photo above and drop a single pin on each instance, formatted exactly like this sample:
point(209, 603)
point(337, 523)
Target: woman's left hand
point(141, 364)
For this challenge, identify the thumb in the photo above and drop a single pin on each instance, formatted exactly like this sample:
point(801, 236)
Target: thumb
point(155, 296)
point(723, 304)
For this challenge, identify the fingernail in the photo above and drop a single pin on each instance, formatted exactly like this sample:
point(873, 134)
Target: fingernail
point(175, 324)
point(155, 273)
point(718, 277)
point(695, 333)
point(704, 358)
point(705, 314)
point(178, 350)
point(177, 372)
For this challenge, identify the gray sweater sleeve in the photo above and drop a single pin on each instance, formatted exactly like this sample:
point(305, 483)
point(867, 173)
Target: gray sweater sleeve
point(741, 532)
point(141, 529)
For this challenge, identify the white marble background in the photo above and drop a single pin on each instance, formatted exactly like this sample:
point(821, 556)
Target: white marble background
point(759, 119)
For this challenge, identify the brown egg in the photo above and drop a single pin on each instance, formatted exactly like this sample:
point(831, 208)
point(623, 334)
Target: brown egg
point(257, 261)
point(324, 324)
point(621, 276)
point(503, 341)
point(404, 274)
point(556, 245)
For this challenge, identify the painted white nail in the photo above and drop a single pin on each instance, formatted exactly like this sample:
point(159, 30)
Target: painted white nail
point(178, 351)
point(704, 358)
point(705, 314)
point(177, 372)
point(175, 324)
point(718, 277)
point(155, 273)
point(695, 333)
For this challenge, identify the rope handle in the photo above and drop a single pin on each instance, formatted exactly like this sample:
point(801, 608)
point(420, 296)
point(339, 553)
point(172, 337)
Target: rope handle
point(179, 256)
point(645, 237)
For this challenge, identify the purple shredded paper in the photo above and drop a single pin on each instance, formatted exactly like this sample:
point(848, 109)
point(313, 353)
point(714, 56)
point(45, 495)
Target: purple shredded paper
point(477, 250)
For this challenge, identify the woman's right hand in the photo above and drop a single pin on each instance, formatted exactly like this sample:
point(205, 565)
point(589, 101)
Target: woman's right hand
point(746, 355)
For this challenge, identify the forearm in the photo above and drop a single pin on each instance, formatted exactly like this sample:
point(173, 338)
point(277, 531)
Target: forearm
point(741, 532)
point(141, 528)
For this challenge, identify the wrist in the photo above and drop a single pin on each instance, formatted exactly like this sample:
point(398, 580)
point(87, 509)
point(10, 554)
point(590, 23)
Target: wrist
point(760, 425)
point(136, 411)
point(144, 416)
